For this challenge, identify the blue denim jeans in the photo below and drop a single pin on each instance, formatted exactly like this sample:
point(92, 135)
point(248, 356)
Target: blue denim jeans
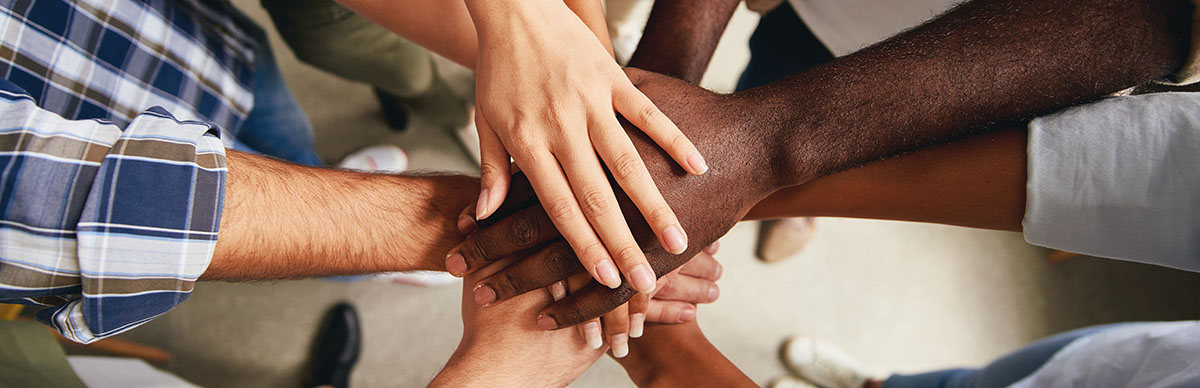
point(1002, 372)
point(277, 126)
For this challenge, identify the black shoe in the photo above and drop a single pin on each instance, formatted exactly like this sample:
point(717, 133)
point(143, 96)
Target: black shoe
point(395, 113)
point(337, 347)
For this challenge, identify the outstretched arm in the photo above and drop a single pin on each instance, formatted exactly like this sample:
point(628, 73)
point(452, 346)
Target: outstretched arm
point(286, 221)
point(680, 37)
point(985, 63)
point(670, 356)
point(975, 182)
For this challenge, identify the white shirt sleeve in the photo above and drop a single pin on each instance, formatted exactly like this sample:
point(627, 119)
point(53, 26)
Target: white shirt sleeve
point(1119, 178)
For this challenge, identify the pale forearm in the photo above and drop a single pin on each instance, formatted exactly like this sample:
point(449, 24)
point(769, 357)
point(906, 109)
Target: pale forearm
point(983, 64)
point(286, 221)
point(975, 182)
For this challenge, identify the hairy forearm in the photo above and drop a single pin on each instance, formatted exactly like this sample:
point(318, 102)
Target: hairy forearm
point(680, 37)
point(983, 64)
point(282, 220)
point(680, 356)
point(975, 182)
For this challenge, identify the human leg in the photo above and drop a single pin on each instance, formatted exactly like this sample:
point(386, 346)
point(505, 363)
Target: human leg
point(333, 38)
point(277, 126)
point(1002, 372)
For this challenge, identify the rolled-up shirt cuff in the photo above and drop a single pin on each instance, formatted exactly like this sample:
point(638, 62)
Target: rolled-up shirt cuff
point(149, 226)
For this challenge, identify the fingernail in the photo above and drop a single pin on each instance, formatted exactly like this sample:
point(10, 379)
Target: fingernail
point(712, 248)
point(713, 293)
point(484, 294)
point(720, 270)
point(699, 167)
point(544, 322)
point(637, 323)
point(674, 240)
point(591, 333)
point(466, 225)
point(620, 345)
point(687, 315)
point(641, 278)
point(558, 291)
point(608, 274)
point(456, 265)
point(481, 205)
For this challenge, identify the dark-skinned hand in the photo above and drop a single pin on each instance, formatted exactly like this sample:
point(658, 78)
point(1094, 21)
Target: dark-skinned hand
point(744, 166)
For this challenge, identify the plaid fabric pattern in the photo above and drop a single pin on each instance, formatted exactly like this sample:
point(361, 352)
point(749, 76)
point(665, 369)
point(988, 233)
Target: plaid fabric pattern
point(112, 59)
point(108, 227)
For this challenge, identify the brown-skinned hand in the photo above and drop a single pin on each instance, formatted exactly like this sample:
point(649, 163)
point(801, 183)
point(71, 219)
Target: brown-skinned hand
point(743, 163)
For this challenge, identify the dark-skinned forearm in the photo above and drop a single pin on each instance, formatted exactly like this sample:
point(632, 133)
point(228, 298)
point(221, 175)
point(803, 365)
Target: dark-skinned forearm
point(680, 37)
point(983, 64)
point(976, 182)
point(282, 220)
point(680, 356)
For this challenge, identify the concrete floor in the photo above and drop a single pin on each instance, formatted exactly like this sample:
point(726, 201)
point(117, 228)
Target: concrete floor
point(900, 296)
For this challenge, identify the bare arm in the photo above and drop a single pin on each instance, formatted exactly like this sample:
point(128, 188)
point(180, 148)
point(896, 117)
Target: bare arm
point(681, 36)
point(680, 356)
point(976, 182)
point(983, 64)
point(285, 221)
point(441, 26)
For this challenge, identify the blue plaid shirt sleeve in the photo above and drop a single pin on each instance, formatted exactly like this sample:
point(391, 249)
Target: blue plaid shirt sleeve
point(106, 227)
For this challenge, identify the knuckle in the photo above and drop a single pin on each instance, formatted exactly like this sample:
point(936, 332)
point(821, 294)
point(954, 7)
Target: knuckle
point(560, 260)
point(525, 230)
point(476, 250)
point(595, 202)
point(679, 141)
point(627, 165)
point(593, 252)
point(631, 255)
point(561, 209)
point(509, 284)
point(648, 113)
point(491, 169)
point(661, 213)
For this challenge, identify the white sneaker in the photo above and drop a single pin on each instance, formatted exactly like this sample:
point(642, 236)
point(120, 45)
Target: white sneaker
point(377, 158)
point(790, 382)
point(823, 363)
point(416, 278)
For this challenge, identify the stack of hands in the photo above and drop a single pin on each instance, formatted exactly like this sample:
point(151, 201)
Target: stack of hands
point(584, 237)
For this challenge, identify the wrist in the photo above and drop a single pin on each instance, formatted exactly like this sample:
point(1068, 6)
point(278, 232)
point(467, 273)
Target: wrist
point(791, 129)
point(476, 364)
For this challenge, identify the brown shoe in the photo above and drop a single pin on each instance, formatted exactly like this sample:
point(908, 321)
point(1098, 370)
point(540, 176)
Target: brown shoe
point(783, 238)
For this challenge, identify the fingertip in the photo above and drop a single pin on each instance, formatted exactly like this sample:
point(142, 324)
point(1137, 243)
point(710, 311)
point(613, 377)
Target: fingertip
point(481, 205)
point(637, 323)
point(591, 333)
point(484, 295)
point(642, 279)
point(696, 163)
point(606, 273)
point(687, 314)
point(712, 248)
point(456, 265)
point(466, 224)
point(674, 239)
point(546, 322)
